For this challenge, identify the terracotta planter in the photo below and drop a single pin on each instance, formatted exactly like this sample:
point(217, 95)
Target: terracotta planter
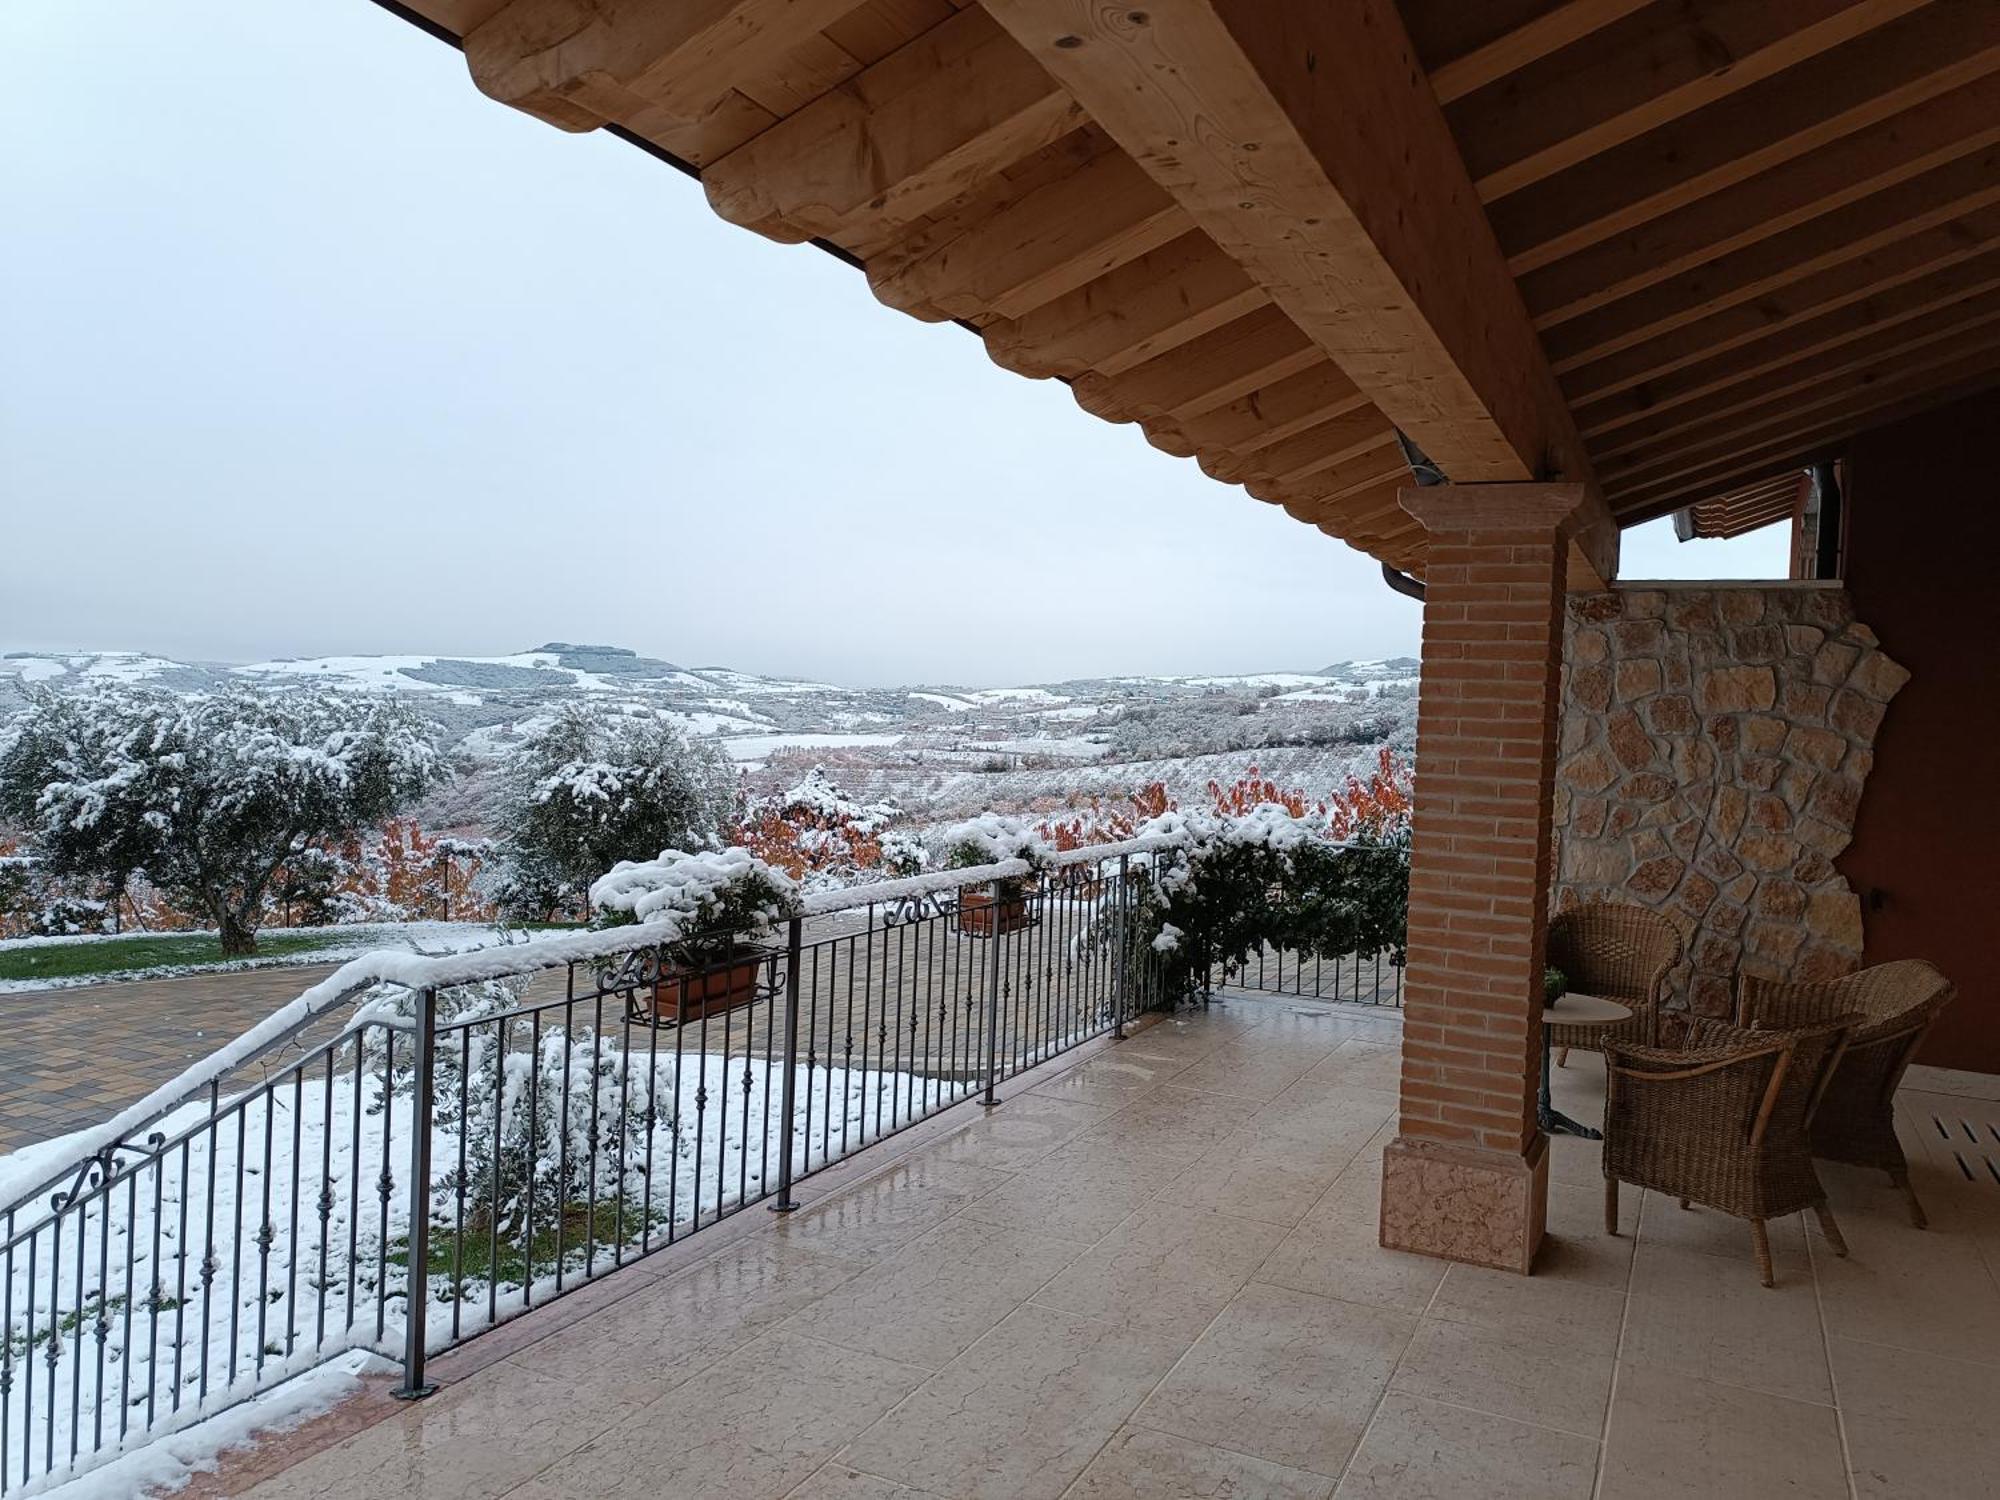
point(975, 910)
point(688, 995)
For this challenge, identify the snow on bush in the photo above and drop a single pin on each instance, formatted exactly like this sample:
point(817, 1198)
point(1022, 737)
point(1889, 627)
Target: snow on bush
point(207, 796)
point(990, 839)
point(816, 833)
point(706, 902)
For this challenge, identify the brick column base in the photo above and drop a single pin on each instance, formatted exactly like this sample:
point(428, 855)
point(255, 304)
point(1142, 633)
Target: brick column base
point(1467, 1175)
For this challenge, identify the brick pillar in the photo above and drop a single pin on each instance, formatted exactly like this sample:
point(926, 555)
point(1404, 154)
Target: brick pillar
point(1467, 1176)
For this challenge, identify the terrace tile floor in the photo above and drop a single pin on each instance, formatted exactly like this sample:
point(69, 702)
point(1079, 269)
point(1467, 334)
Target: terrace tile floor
point(1153, 1272)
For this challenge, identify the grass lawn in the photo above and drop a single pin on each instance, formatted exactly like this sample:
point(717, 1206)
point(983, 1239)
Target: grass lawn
point(144, 950)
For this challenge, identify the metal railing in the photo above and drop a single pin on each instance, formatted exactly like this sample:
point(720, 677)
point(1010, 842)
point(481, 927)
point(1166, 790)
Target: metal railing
point(492, 1130)
point(1353, 978)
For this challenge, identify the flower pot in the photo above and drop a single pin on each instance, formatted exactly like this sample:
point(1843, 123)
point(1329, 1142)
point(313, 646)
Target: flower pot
point(976, 913)
point(683, 995)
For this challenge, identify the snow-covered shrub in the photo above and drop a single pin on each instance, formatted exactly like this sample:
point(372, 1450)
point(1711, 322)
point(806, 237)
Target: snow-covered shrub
point(708, 902)
point(595, 786)
point(817, 833)
point(209, 796)
point(904, 854)
point(571, 1118)
point(990, 839)
point(1266, 876)
point(65, 916)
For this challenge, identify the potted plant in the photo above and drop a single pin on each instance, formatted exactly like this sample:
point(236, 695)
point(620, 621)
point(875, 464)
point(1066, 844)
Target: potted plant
point(711, 908)
point(1555, 984)
point(991, 839)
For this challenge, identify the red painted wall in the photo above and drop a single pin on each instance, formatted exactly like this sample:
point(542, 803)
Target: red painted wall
point(1923, 565)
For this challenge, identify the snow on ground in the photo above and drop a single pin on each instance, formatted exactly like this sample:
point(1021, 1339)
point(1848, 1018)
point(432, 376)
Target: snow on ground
point(1016, 695)
point(746, 749)
point(1048, 745)
point(945, 700)
point(703, 724)
point(174, 1306)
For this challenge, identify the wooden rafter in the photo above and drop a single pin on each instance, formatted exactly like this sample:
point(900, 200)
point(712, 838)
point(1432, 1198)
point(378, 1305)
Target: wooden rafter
point(1386, 263)
point(1851, 88)
point(1590, 97)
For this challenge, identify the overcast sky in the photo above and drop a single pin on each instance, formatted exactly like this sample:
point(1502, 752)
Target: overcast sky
point(309, 348)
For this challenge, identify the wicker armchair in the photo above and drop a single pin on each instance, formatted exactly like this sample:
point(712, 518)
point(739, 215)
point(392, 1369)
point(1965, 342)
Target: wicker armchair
point(1724, 1121)
point(1621, 952)
point(1897, 1002)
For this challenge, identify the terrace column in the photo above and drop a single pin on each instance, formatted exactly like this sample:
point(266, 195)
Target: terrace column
point(1467, 1176)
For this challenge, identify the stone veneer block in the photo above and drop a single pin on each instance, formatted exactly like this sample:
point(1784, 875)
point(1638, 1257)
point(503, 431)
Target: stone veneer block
point(1484, 1208)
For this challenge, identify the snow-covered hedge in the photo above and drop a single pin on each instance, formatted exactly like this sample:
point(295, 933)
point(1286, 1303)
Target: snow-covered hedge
point(1267, 876)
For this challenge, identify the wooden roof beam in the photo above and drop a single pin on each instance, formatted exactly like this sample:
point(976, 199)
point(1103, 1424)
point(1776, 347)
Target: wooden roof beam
point(1268, 415)
point(1125, 317)
point(579, 65)
point(1851, 284)
point(1653, 67)
point(1887, 350)
point(1028, 253)
point(1937, 132)
point(1798, 343)
point(1850, 88)
point(1929, 201)
point(923, 125)
point(1267, 123)
point(1528, 43)
point(1225, 365)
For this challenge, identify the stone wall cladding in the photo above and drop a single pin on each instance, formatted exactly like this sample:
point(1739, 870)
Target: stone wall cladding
point(1715, 741)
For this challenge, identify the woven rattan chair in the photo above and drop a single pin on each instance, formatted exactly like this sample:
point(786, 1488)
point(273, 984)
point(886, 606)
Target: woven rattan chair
point(1621, 952)
point(1724, 1121)
point(1897, 1003)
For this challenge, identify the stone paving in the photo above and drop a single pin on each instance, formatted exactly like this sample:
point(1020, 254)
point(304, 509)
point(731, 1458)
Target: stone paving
point(1153, 1272)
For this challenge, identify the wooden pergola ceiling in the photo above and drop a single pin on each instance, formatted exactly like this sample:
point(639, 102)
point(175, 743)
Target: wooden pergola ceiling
point(1675, 246)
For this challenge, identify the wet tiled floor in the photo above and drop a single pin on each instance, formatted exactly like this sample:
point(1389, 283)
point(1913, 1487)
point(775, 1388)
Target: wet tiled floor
point(1153, 1272)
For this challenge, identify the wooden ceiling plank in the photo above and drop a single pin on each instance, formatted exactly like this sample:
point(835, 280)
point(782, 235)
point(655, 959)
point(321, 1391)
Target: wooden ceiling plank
point(1530, 42)
point(1653, 67)
point(901, 138)
point(1933, 134)
point(1960, 323)
point(1936, 198)
point(1161, 300)
point(1808, 339)
point(1207, 372)
point(578, 66)
point(1926, 254)
point(1330, 443)
point(1636, 504)
point(1849, 88)
point(1267, 122)
point(1359, 473)
point(1850, 397)
point(1267, 415)
point(1052, 241)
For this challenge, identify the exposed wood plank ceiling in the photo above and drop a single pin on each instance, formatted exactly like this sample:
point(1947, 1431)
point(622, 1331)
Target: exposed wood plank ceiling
point(1710, 239)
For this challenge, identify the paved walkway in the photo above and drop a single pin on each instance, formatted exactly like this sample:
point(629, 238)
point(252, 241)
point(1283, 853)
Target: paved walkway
point(1153, 1272)
point(71, 1057)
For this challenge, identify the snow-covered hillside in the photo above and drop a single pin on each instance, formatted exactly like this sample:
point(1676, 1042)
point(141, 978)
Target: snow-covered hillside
point(957, 745)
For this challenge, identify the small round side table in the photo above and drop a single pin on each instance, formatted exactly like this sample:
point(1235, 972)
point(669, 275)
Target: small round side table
point(1589, 1012)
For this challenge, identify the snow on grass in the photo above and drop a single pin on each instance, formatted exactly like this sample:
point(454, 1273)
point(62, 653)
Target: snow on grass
point(944, 700)
point(1016, 695)
point(327, 945)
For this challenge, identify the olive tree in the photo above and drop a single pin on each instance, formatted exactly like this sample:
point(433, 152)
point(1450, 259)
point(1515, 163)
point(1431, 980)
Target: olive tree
point(210, 796)
point(592, 786)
